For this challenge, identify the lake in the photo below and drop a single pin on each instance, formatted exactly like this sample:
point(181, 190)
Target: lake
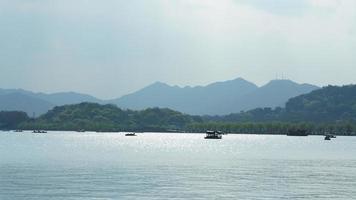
point(70, 165)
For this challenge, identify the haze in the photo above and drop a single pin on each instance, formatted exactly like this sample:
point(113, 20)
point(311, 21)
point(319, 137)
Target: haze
point(113, 47)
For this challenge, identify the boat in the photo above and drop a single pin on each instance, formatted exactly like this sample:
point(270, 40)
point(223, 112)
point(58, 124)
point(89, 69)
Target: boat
point(297, 132)
point(213, 135)
point(130, 134)
point(221, 133)
point(81, 131)
point(329, 136)
point(18, 131)
point(39, 131)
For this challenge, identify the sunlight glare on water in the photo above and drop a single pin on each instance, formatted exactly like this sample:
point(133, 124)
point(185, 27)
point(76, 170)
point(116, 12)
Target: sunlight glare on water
point(69, 165)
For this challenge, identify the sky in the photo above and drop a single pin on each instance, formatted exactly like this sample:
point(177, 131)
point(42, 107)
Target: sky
point(115, 47)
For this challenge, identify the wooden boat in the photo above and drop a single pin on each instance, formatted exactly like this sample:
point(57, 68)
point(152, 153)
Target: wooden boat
point(39, 131)
point(130, 134)
point(329, 136)
point(213, 135)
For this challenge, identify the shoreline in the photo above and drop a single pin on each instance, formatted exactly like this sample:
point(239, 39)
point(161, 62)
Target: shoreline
point(152, 132)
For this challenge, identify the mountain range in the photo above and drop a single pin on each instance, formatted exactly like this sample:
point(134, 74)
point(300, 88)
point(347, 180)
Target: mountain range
point(331, 109)
point(214, 99)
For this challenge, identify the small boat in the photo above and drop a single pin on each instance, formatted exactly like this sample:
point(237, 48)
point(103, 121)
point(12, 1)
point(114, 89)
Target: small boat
point(39, 131)
point(329, 136)
point(81, 130)
point(18, 131)
point(130, 134)
point(297, 132)
point(213, 135)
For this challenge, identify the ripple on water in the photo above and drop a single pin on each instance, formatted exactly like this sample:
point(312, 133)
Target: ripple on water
point(175, 166)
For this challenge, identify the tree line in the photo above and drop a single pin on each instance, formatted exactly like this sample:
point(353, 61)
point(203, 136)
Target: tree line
point(275, 128)
point(96, 117)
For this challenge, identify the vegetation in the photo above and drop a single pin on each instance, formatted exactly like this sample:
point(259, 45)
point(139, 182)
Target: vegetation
point(281, 128)
point(330, 104)
point(96, 117)
point(331, 109)
point(11, 119)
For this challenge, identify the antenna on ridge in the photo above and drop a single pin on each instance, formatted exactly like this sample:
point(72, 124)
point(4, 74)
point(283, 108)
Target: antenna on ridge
point(284, 77)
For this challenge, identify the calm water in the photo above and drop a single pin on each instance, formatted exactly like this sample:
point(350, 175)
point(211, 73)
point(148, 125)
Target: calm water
point(67, 165)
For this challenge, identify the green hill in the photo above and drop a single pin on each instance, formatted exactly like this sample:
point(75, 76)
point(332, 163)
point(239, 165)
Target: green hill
point(11, 119)
point(329, 104)
point(96, 117)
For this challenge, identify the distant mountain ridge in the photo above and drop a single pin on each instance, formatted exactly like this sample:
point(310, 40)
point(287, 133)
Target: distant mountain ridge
point(39, 103)
point(22, 102)
point(59, 98)
point(275, 94)
point(191, 100)
point(218, 98)
point(328, 105)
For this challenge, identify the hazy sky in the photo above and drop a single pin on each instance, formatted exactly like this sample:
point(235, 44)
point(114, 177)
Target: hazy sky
point(113, 47)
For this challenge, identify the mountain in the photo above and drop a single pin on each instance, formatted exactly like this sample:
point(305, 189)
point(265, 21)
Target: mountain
point(39, 103)
point(64, 98)
point(215, 99)
point(331, 103)
point(60, 98)
point(330, 109)
point(218, 98)
point(22, 102)
point(18, 91)
point(275, 94)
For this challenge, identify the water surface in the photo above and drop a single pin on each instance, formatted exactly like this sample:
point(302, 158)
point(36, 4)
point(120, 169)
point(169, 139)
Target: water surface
point(69, 165)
